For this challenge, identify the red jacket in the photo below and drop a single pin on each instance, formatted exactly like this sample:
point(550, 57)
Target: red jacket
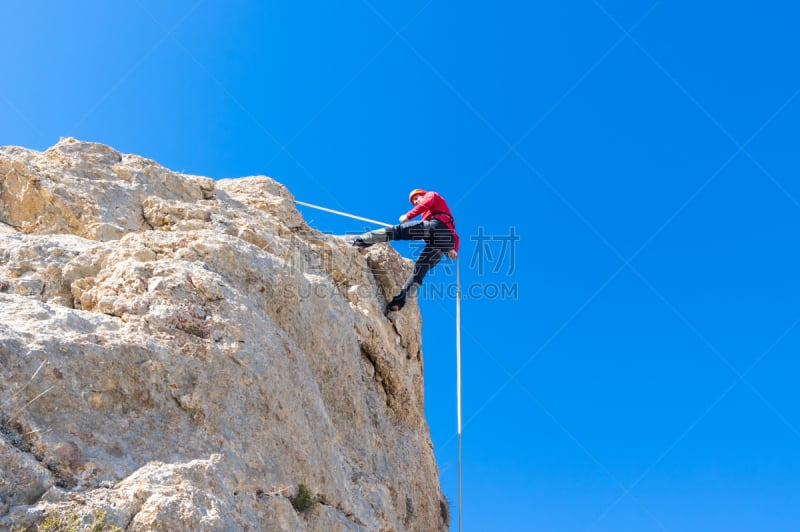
point(433, 206)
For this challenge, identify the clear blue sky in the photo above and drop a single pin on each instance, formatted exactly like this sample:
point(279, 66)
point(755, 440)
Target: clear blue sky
point(640, 370)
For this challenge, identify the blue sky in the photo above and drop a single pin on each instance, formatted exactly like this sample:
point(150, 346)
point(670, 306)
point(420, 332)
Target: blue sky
point(639, 370)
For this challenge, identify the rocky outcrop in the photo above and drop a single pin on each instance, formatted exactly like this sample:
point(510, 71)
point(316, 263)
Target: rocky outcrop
point(186, 354)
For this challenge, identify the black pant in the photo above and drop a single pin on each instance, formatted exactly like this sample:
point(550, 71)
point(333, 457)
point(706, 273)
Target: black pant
point(438, 239)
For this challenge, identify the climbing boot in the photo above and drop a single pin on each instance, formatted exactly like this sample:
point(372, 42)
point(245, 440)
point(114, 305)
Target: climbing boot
point(360, 244)
point(367, 239)
point(397, 302)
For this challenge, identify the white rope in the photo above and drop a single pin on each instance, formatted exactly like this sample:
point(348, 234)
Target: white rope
point(340, 213)
point(458, 383)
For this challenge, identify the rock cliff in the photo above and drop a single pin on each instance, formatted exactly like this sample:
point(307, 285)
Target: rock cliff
point(180, 353)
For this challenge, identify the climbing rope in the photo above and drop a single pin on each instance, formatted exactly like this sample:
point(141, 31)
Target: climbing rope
point(340, 213)
point(458, 384)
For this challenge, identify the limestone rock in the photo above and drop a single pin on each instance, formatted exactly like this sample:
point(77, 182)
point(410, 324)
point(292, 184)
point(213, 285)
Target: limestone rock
point(182, 354)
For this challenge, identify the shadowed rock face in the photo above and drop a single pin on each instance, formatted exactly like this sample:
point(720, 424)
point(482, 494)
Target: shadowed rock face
point(183, 353)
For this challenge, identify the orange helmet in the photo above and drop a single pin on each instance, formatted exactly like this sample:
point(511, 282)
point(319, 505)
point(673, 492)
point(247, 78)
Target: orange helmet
point(414, 193)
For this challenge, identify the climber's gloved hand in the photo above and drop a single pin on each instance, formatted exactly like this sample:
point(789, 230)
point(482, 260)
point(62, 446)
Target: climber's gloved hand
point(403, 218)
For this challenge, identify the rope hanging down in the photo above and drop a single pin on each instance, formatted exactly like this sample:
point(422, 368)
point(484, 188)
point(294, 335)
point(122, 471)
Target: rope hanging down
point(458, 384)
point(458, 339)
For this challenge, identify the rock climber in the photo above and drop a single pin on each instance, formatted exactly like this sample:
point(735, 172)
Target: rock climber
point(437, 228)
